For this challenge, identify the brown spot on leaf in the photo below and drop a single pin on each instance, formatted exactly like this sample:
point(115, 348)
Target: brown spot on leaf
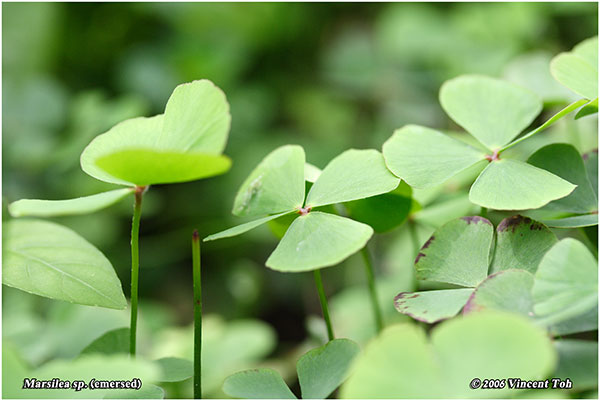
point(413, 296)
point(511, 223)
point(419, 256)
point(429, 241)
point(475, 220)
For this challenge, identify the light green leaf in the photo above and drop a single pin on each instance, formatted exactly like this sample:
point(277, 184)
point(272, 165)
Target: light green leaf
point(578, 69)
point(311, 172)
point(147, 392)
point(424, 157)
point(196, 119)
point(578, 360)
point(242, 228)
point(508, 290)
point(579, 324)
point(492, 110)
point(585, 220)
point(175, 369)
point(514, 185)
point(355, 174)
point(322, 370)
point(318, 240)
point(275, 185)
point(401, 363)
point(382, 212)
point(587, 109)
point(14, 370)
point(82, 205)
point(563, 160)
point(566, 282)
point(437, 214)
point(52, 261)
point(521, 243)
point(432, 306)
point(457, 253)
point(257, 384)
point(112, 342)
point(184, 144)
point(590, 161)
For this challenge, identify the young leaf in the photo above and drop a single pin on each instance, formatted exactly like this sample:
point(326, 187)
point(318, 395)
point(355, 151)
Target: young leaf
point(175, 369)
point(432, 306)
point(424, 157)
point(401, 363)
point(492, 110)
point(382, 212)
point(513, 185)
point(196, 119)
point(355, 174)
point(257, 384)
point(275, 185)
point(457, 253)
point(521, 243)
point(82, 205)
point(508, 290)
point(322, 370)
point(566, 282)
point(242, 228)
point(52, 261)
point(318, 240)
point(112, 342)
point(587, 109)
point(311, 172)
point(578, 69)
point(563, 160)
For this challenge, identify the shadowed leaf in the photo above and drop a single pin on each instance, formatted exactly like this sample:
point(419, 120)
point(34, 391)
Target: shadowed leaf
point(508, 290)
point(432, 306)
point(112, 342)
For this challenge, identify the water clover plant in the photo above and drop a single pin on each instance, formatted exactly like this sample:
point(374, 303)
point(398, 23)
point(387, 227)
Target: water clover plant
point(494, 112)
point(463, 252)
point(315, 239)
point(182, 144)
point(320, 371)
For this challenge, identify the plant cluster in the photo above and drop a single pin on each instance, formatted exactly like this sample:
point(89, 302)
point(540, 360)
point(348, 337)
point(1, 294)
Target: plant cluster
point(520, 288)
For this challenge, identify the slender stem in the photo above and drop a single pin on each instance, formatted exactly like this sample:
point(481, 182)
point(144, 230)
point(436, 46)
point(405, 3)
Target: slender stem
point(197, 316)
point(372, 290)
point(135, 265)
point(324, 306)
point(548, 123)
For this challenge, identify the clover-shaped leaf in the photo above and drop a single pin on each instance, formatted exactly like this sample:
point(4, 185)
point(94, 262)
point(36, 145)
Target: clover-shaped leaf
point(578, 69)
point(320, 371)
point(494, 112)
point(315, 239)
point(462, 252)
point(50, 260)
point(403, 363)
point(566, 282)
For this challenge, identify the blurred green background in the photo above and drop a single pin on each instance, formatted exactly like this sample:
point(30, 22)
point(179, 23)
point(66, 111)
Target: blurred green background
point(325, 76)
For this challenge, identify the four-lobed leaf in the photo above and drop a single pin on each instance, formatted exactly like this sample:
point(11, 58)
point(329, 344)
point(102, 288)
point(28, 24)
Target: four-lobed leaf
point(50, 260)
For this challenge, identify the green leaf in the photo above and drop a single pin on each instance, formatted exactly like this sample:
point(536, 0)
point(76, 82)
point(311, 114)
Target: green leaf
point(184, 144)
point(514, 185)
point(52, 261)
point(585, 220)
point(196, 119)
point(275, 185)
point(382, 212)
point(492, 110)
point(521, 243)
point(401, 363)
point(147, 392)
point(579, 324)
point(257, 384)
point(311, 172)
point(578, 69)
point(564, 161)
point(578, 360)
point(508, 290)
point(82, 205)
point(437, 214)
point(112, 342)
point(424, 157)
point(355, 174)
point(322, 370)
point(432, 306)
point(14, 370)
point(318, 240)
point(566, 282)
point(590, 161)
point(175, 369)
point(457, 253)
point(242, 228)
point(587, 109)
